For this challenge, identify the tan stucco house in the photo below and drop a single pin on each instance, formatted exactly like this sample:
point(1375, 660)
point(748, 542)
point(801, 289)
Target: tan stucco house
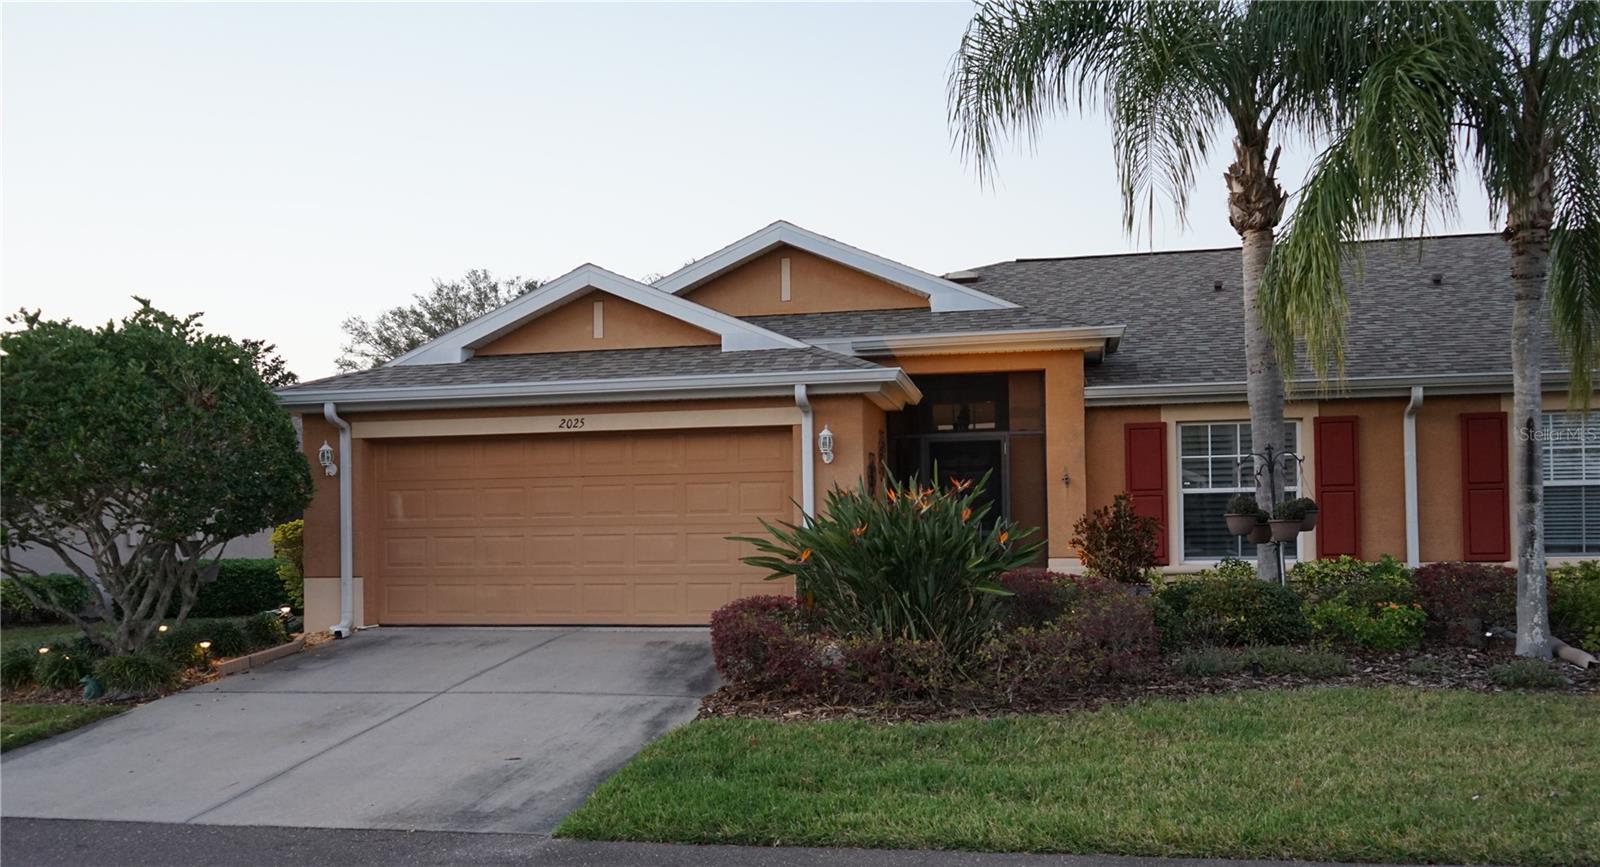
point(581, 454)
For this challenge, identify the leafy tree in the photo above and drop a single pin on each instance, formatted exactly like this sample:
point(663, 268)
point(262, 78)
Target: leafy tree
point(142, 447)
point(1170, 75)
point(1521, 82)
point(398, 330)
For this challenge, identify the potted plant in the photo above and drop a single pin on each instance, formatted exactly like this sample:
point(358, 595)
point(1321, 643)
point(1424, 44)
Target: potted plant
point(1286, 520)
point(1243, 514)
point(1311, 511)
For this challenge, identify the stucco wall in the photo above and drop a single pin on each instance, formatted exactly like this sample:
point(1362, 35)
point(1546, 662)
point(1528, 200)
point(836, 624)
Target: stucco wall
point(1439, 471)
point(1107, 474)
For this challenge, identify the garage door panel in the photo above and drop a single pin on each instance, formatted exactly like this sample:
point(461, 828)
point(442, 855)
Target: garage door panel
point(604, 528)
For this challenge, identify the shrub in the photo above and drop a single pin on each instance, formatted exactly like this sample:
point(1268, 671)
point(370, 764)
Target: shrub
point(917, 563)
point(264, 630)
point(1208, 662)
point(1575, 604)
point(1116, 542)
point(1527, 674)
point(227, 640)
point(1387, 580)
point(288, 552)
point(1291, 510)
point(761, 641)
point(1107, 635)
point(243, 586)
point(1287, 660)
point(68, 591)
point(59, 669)
point(16, 667)
point(1461, 599)
point(1218, 662)
point(1389, 626)
point(874, 670)
point(138, 674)
point(1226, 608)
point(181, 645)
point(1244, 504)
point(1038, 596)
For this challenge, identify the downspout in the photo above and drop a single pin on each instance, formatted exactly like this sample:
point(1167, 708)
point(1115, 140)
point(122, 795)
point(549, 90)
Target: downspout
point(346, 547)
point(808, 453)
point(1413, 521)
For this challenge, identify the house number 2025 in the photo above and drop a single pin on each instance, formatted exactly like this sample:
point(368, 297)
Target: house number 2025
point(574, 423)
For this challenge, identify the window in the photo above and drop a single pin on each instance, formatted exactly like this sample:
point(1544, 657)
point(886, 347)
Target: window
point(1571, 484)
point(1214, 464)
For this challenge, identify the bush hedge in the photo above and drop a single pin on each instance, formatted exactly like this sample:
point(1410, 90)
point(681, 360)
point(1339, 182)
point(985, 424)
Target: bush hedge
point(68, 591)
point(139, 674)
point(288, 552)
point(1228, 607)
point(1463, 599)
point(1355, 603)
point(1575, 604)
point(244, 586)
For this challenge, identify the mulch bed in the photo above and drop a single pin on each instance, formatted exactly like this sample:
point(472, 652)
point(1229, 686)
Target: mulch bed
point(1453, 667)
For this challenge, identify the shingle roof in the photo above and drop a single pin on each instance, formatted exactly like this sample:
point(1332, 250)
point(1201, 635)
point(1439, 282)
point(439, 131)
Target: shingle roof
point(590, 366)
point(1181, 329)
point(879, 323)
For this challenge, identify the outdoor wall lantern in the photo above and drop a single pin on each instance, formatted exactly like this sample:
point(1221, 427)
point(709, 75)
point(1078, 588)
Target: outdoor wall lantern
point(325, 457)
point(825, 444)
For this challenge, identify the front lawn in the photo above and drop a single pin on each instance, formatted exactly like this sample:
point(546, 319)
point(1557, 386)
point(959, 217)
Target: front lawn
point(22, 724)
point(1345, 774)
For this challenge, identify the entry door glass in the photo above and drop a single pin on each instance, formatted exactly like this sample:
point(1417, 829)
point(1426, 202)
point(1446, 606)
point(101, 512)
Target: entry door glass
point(968, 460)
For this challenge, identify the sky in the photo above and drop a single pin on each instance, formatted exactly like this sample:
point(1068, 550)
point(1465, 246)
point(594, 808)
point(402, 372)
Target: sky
point(282, 167)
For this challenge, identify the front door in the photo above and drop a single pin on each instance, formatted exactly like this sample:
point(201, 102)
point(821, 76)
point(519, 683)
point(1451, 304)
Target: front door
point(968, 460)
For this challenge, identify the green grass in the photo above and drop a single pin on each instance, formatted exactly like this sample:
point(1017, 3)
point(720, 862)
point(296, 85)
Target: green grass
point(25, 723)
point(1329, 774)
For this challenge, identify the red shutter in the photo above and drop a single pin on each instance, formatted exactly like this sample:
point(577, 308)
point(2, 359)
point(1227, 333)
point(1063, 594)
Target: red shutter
point(1485, 489)
point(1146, 460)
point(1338, 487)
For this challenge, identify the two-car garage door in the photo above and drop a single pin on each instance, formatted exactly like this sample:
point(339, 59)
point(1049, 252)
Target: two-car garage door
point(599, 528)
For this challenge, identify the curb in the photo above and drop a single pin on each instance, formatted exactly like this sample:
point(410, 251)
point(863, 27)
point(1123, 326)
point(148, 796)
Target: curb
point(261, 657)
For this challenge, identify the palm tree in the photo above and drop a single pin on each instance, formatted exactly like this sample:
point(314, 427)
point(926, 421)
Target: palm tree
point(1520, 81)
point(1170, 76)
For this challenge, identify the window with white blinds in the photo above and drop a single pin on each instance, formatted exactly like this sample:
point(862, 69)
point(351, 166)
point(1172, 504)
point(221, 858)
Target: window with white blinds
point(1571, 483)
point(1214, 463)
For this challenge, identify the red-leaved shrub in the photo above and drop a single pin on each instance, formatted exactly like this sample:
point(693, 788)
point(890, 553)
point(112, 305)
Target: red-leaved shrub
point(762, 642)
point(1116, 542)
point(1038, 596)
point(1108, 634)
point(1461, 599)
point(895, 670)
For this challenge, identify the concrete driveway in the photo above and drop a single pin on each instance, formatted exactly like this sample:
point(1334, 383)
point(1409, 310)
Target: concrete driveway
point(451, 729)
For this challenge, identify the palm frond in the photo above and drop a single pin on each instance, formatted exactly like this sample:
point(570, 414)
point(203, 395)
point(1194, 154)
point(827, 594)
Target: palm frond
point(1392, 167)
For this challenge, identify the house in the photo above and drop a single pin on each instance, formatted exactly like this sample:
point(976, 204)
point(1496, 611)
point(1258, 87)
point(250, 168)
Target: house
point(581, 454)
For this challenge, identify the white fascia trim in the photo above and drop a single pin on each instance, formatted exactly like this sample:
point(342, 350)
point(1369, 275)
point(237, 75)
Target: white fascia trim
point(1308, 389)
point(1104, 339)
point(943, 295)
point(892, 381)
point(457, 345)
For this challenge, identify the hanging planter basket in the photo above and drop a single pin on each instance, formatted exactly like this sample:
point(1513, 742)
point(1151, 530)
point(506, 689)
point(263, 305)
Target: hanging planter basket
point(1309, 523)
point(1240, 525)
point(1284, 530)
point(1261, 533)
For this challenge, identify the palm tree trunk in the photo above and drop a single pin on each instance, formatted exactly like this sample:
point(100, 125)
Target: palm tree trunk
point(1264, 388)
point(1255, 206)
point(1530, 255)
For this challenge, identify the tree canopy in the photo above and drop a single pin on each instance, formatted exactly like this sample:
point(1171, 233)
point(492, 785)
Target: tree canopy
point(398, 330)
point(142, 447)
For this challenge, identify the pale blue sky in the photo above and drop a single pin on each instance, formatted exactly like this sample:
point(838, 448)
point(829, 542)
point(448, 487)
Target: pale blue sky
point(283, 166)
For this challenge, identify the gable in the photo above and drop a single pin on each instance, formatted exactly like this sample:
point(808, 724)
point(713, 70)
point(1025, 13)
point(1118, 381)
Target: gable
point(597, 320)
point(815, 285)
